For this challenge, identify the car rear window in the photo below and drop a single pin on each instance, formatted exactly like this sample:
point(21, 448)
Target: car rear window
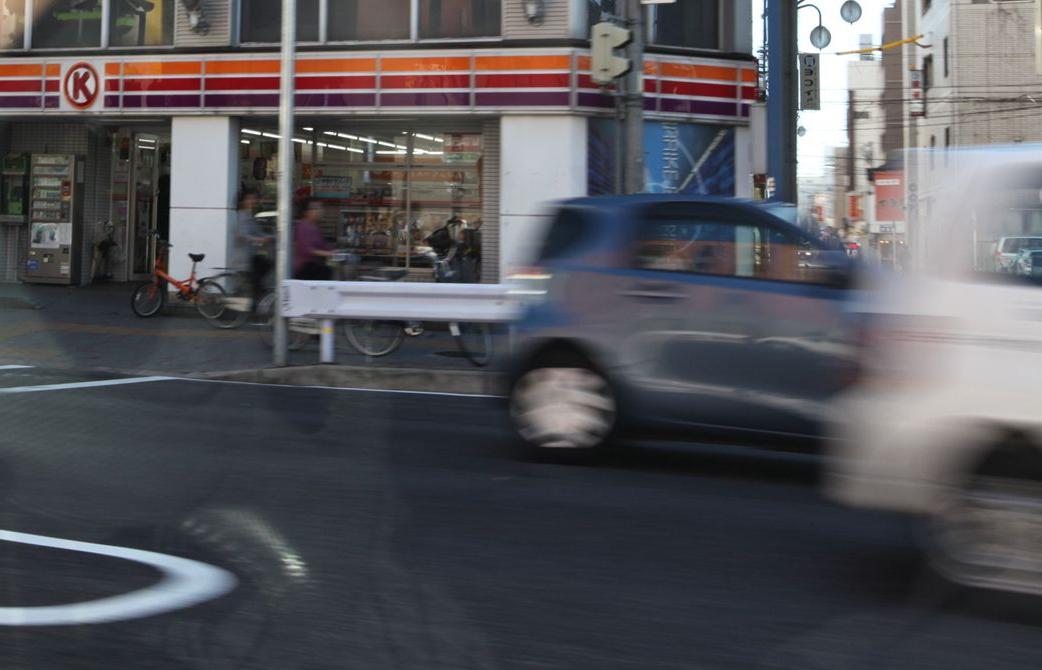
point(567, 231)
point(1014, 244)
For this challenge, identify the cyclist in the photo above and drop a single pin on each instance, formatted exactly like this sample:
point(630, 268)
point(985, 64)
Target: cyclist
point(253, 247)
point(310, 250)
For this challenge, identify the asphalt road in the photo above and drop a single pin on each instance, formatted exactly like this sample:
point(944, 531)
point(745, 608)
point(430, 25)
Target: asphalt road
point(387, 530)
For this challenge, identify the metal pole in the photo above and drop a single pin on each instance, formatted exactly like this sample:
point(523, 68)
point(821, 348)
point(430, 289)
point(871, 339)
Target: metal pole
point(782, 97)
point(284, 222)
point(634, 122)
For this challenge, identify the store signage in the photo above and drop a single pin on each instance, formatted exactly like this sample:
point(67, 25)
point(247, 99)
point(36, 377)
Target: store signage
point(81, 85)
point(890, 196)
point(917, 102)
point(810, 95)
point(854, 207)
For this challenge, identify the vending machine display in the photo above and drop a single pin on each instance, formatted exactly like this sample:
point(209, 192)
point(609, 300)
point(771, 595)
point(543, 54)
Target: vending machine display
point(52, 256)
point(14, 186)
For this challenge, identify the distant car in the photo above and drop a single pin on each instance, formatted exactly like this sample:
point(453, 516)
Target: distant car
point(945, 425)
point(1007, 248)
point(1028, 263)
point(677, 316)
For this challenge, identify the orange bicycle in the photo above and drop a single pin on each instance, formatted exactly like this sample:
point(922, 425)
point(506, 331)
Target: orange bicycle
point(149, 298)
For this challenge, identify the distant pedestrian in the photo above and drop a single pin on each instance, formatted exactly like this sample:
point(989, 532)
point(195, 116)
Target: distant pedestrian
point(253, 245)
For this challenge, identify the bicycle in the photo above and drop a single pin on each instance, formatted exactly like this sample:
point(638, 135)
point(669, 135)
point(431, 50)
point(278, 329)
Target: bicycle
point(148, 298)
point(380, 338)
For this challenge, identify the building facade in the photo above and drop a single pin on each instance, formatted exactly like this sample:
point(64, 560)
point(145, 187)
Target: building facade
point(410, 114)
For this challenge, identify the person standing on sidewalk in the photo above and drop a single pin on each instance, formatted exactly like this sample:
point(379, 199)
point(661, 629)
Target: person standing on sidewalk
point(310, 250)
point(253, 245)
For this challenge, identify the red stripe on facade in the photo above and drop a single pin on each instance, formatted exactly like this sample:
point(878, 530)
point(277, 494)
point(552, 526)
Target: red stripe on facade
point(673, 87)
point(191, 84)
point(335, 82)
point(434, 81)
point(111, 85)
point(52, 86)
point(522, 80)
point(748, 93)
point(242, 83)
point(31, 86)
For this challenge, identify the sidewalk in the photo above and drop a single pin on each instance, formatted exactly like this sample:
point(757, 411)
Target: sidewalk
point(94, 328)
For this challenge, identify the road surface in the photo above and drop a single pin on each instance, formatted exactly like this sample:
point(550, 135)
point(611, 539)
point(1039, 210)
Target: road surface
point(390, 530)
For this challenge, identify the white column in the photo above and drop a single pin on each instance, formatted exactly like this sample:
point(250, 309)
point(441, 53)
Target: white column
point(542, 158)
point(743, 162)
point(204, 180)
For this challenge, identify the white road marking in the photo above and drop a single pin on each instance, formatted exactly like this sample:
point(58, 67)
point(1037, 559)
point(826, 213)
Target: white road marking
point(185, 583)
point(14, 367)
point(83, 385)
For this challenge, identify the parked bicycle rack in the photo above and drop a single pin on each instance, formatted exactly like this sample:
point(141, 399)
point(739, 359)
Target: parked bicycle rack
point(395, 301)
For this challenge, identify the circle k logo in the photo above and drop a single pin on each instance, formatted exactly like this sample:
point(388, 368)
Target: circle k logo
point(81, 85)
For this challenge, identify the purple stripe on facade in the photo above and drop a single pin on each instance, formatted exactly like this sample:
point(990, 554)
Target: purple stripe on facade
point(745, 110)
point(650, 104)
point(595, 100)
point(425, 99)
point(698, 107)
point(519, 99)
point(159, 101)
point(21, 101)
point(51, 102)
point(112, 101)
point(241, 100)
point(336, 100)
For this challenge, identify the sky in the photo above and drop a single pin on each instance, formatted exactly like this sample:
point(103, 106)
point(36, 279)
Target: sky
point(827, 128)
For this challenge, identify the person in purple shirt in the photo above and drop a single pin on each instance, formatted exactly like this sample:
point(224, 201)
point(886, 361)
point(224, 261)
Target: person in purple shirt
point(310, 250)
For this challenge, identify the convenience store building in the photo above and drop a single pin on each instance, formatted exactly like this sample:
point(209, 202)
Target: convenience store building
point(409, 113)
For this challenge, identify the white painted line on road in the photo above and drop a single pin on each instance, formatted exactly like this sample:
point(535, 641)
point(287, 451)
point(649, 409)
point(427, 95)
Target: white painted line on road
point(338, 388)
point(83, 385)
point(15, 367)
point(185, 583)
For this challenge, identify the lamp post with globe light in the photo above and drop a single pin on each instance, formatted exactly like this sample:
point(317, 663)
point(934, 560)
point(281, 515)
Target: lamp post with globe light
point(782, 84)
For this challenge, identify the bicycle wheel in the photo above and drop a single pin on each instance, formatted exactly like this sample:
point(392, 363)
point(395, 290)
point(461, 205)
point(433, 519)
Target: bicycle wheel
point(148, 298)
point(209, 300)
point(374, 338)
point(238, 300)
point(265, 321)
point(474, 341)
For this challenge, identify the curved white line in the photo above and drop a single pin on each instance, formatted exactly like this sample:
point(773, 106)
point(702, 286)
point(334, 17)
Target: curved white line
point(185, 583)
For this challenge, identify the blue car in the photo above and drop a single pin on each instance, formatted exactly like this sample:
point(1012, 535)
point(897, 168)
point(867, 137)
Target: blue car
point(678, 316)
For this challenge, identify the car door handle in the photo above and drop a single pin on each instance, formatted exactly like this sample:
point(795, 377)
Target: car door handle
point(653, 291)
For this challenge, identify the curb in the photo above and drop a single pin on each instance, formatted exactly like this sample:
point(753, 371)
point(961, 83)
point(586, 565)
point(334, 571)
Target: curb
point(465, 382)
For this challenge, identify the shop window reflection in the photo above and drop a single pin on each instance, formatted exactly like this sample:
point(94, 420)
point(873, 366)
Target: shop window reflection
point(459, 18)
point(368, 19)
point(386, 193)
point(141, 22)
point(12, 24)
point(261, 20)
point(67, 23)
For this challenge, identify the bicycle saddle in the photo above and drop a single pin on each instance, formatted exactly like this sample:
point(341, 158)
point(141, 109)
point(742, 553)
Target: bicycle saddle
point(197, 258)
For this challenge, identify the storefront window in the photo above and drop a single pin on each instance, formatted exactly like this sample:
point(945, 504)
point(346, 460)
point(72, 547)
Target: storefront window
point(459, 18)
point(392, 197)
point(261, 20)
point(12, 23)
point(687, 23)
point(368, 19)
point(135, 23)
point(67, 24)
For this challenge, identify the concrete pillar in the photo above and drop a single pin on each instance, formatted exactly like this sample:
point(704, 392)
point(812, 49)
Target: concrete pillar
point(542, 158)
point(743, 162)
point(204, 180)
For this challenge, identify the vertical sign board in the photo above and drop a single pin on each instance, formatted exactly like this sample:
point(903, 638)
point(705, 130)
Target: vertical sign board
point(890, 196)
point(810, 93)
point(917, 103)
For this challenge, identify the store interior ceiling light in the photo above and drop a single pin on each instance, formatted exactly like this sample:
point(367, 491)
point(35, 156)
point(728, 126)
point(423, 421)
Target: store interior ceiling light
point(244, 142)
point(250, 131)
point(272, 136)
point(308, 130)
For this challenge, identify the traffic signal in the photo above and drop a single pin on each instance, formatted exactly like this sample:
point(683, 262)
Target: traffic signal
point(605, 66)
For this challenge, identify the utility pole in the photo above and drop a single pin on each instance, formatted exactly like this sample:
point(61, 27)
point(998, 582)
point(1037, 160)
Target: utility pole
point(284, 222)
point(782, 97)
point(914, 237)
point(634, 122)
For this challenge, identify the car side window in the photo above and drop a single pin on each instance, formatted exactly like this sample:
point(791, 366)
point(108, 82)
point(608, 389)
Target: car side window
point(731, 249)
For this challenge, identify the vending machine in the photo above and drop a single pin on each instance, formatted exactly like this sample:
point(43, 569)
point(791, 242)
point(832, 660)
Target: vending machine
point(14, 187)
point(53, 255)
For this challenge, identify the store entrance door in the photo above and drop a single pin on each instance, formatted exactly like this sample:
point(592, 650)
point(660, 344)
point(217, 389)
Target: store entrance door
point(149, 210)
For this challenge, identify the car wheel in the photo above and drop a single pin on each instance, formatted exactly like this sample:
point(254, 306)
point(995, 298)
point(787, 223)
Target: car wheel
point(563, 406)
point(988, 532)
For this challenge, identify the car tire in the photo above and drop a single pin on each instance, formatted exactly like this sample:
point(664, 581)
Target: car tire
point(987, 533)
point(563, 408)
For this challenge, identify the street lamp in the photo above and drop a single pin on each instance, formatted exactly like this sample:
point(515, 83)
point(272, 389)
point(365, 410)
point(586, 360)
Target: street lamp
point(820, 37)
point(850, 11)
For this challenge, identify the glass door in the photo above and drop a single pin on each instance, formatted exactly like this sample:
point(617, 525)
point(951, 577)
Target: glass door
point(143, 189)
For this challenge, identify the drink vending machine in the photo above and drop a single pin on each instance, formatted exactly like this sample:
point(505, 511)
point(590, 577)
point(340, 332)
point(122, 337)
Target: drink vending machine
point(53, 254)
